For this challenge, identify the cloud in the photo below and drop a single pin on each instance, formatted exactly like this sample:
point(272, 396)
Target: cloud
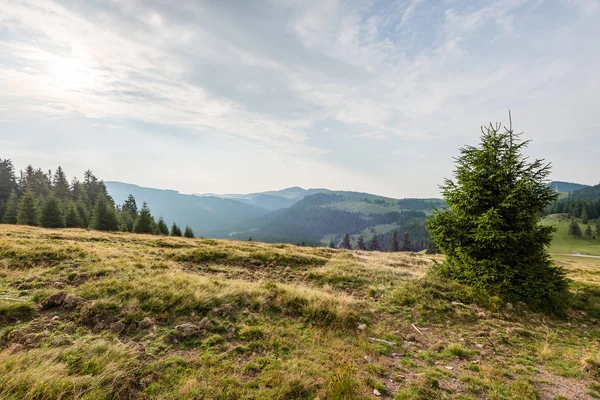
point(280, 74)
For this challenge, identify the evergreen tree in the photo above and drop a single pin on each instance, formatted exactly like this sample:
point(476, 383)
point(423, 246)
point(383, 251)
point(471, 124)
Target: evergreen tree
point(72, 219)
point(588, 232)
point(126, 221)
point(598, 227)
point(163, 229)
point(250, 238)
point(490, 232)
point(27, 212)
point(60, 184)
point(144, 223)
point(84, 214)
point(346, 242)
point(360, 243)
point(130, 206)
point(584, 215)
point(331, 244)
point(406, 245)
point(51, 215)
point(175, 230)
point(189, 233)
point(374, 244)
point(575, 230)
point(104, 217)
point(395, 246)
point(432, 248)
point(76, 189)
point(8, 180)
point(11, 209)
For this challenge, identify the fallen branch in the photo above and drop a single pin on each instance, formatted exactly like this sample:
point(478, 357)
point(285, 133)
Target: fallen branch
point(457, 303)
point(382, 341)
point(417, 329)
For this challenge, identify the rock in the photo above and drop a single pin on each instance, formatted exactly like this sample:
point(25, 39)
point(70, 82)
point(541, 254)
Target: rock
point(482, 315)
point(55, 300)
point(146, 323)
point(205, 324)
point(117, 327)
point(396, 355)
point(55, 318)
point(376, 392)
point(368, 359)
point(185, 331)
point(362, 327)
point(449, 368)
point(509, 306)
point(479, 345)
point(72, 301)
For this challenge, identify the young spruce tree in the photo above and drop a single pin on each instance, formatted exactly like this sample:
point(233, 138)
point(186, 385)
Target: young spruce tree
point(406, 245)
point(346, 242)
point(27, 213)
point(360, 243)
point(144, 223)
point(189, 233)
point(575, 230)
point(104, 217)
point(395, 246)
point(491, 232)
point(11, 209)
point(175, 230)
point(72, 219)
point(374, 243)
point(51, 214)
point(588, 232)
point(163, 229)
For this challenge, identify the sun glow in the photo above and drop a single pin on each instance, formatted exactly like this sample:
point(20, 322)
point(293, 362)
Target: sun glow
point(69, 73)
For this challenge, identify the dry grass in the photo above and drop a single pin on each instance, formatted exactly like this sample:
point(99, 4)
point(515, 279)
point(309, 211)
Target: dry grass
point(271, 321)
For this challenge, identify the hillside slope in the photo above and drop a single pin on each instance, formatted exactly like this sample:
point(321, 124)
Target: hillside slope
point(90, 315)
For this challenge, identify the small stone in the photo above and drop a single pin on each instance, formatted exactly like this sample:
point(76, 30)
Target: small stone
point(55, 318)
point(55, 300)
point(376, 392)
point(146, 323)
point(475, 362)
point(509, 306)
point(368, 359)
point(72, 301)
point(449, 368)
point(481, 315)
point(117, 327)
point(479, 345)
point(205, 324)
point(396, 355)
point(362, 327)
point(185, 331)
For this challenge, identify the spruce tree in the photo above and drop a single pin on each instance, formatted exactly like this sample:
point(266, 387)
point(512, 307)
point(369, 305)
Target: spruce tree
point(374, 244)
point(27, 212)
point(575, 230)
point(491, 232)
point(8, 180)
point(104, 217)
point(144, 223)
point(360, 243)
point(60, 184)
point(130, 206)
point(598, 227)
point(331, 244)
point(346, 242)
point(163, 229)
point(51, 215)
point(406, 245)
point(250, 238)
point(584, 215)
point(72, 219)
point(84, 214)
point(175, 230)
point(588, 232)
point(126, 221)
point(189, 233)
point(11, 209)
point(395, 246)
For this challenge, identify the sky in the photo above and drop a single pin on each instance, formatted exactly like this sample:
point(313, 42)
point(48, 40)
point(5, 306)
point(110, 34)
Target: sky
point(241, 96)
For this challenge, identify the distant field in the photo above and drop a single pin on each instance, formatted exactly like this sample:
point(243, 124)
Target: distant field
point(565, 244)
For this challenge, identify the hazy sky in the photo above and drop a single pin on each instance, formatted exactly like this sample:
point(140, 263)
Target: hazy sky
point(241, 95)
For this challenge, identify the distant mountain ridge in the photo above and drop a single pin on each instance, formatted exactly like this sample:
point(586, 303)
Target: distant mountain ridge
point(566, 187)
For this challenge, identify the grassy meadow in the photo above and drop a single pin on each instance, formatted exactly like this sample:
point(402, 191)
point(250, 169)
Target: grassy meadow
point(565, 244)
point(92, 315)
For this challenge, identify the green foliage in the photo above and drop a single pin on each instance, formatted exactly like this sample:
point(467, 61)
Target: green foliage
point(395, 246)
point(11, 311)
point(51, 215)
point(189, 233)
point(27, 213)
point(346, 242)
point(60, 184)
point(175, 230)
point(575, 230)
point(144, 223)
point(491, 233)
point(72, 219)
point(11, 209)
point(84, 214)
point(374, 244)
point(360, 243)
point(406, 245)
point(584, 216)
point(163, 229)
point(105, 216)
point(588, 232)
point(8, 180)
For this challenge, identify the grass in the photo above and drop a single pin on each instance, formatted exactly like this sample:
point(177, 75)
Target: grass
point(563, 243)
point(179, 318)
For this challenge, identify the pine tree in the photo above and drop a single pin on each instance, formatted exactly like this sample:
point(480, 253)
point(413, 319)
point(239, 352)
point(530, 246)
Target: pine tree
point(574, 229)
point(189, 233)
point(84, 214)
point(588, 232)
point(8, 180)
point(144, 223)
point(50, 214)
point(360, 243)
point(490, 230)
point(126, 221)
point(163, 229)
point(374, 244)
point(27, 212)
point(584, 215)
point(346, 242)
point(175, 230)
point(250, 238)
point(395, 246)
point(598, 227)
point(60, 184)
point(406, 245)
point(72, 219)
point(11, 209)
point(331, 244)
point(104, 217)
point(130, 206)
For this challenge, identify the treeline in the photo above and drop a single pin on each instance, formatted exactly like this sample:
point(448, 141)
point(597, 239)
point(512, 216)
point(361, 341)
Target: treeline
point(386, 242)
point(586, 209)
point(50, 200)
